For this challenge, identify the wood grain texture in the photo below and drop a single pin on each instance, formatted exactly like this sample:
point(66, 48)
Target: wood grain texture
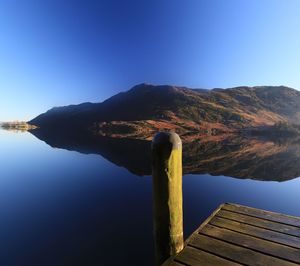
point(260, 245)
point(272, 216)
point(279, 227)
point(193, 256)
point(257, 232)
point(240, 235)
point(235, 252)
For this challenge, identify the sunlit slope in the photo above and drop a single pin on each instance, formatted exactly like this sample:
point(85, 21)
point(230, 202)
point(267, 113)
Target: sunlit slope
point(146, 108)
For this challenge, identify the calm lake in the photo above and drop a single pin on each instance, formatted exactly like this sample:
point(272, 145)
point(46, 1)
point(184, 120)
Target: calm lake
point(89, 202)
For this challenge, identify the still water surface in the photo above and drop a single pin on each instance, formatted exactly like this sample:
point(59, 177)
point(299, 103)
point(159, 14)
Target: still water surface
point(61, 207)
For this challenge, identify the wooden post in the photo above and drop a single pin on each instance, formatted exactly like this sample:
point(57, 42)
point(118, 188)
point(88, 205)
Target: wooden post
point(167, 195)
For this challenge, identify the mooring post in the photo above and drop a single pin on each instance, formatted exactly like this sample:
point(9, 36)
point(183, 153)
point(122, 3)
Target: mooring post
point(167, 195)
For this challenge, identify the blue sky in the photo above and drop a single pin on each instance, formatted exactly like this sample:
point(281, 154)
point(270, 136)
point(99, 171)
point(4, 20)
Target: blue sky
point(58, 52)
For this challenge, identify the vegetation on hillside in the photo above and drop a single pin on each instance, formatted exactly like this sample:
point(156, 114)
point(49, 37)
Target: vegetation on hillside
point(145, 109)
point(278, 130)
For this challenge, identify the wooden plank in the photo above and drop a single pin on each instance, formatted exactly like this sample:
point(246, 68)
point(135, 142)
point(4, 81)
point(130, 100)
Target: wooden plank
point(175, 263)
point(192, 256)
point(257, 232)
point(276, 217)
point(166, 263)
point(260, 245)
point(239, 235)
point(235, 253)
point(279, 227)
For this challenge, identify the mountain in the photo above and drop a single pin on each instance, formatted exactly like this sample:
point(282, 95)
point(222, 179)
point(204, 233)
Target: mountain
point(145, 109)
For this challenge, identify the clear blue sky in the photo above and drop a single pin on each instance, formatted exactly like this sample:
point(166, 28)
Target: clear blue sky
point(59, 52)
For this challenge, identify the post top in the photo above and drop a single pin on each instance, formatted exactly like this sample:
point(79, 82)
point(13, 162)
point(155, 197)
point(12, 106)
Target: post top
point(162, 138)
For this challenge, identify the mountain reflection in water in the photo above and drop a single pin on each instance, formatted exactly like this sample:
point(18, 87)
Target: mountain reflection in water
point(234, 156)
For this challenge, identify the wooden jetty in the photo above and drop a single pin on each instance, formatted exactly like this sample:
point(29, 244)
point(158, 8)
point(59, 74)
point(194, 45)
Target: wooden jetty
point(240, 235)
point(232, 235)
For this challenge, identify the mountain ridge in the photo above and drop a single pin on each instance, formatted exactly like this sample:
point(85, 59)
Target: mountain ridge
point(146, 108)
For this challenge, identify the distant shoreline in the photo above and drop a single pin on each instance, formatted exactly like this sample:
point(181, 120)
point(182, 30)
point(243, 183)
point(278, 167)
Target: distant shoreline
point(17, 125)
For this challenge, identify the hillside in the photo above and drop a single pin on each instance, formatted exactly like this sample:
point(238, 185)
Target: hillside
point(145, 108)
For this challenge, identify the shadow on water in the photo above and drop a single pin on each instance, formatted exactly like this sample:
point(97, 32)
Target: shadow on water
point(235, 156)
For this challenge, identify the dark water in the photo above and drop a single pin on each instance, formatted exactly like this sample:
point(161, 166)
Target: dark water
point(64, 207)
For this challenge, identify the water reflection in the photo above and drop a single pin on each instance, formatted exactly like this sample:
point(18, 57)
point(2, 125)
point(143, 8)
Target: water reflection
point(63, 208)
point(235, 156)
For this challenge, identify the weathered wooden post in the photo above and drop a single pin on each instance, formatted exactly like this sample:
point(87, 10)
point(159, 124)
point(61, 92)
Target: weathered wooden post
point(167, 195)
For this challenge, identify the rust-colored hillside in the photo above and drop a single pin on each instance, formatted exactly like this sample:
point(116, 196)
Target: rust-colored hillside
point(145, 109)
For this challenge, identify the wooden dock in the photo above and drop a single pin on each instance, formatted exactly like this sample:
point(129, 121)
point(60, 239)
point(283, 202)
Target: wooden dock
point(240, 235)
